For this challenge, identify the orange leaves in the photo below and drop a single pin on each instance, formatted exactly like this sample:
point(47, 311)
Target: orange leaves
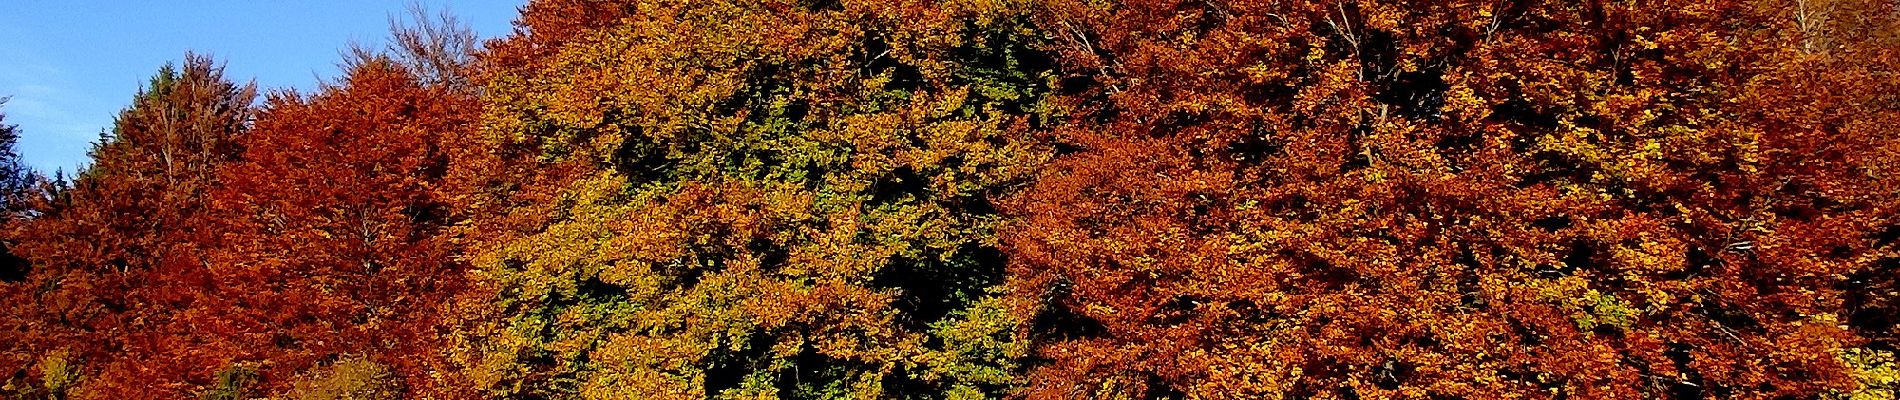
point(790, 200)
point(335, 215)
point(118, 252)
point(185, 256)
point(1387, 183)
point(969, 199)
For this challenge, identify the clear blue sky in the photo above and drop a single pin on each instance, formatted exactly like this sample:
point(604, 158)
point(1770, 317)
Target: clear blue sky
point(69, 66)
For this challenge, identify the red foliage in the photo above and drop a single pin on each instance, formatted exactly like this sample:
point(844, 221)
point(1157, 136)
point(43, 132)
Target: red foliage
point(1249, 198)
point(332, 227)
point(118, 254)
point(1464, 199)
point(176, 256)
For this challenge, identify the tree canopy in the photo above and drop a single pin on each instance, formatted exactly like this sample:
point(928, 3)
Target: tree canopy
point(995, 199)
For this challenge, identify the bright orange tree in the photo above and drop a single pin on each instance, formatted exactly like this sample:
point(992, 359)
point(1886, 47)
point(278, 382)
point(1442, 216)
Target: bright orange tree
point(1451, 199)
point(332, 227)
point(117, 254)
point(994, 198)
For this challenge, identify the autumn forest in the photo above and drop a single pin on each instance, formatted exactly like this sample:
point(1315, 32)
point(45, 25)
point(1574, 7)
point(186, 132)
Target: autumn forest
point(967, 199)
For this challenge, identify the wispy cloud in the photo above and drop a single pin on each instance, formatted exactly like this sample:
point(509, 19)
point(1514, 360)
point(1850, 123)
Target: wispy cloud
point(58, 124)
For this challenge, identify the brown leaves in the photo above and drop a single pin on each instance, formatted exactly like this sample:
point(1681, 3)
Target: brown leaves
point(1048, 199)
point(1409, 203)
point(119, 253)
point(333, 223)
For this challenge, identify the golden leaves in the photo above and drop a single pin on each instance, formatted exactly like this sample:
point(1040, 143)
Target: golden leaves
point(778, 172)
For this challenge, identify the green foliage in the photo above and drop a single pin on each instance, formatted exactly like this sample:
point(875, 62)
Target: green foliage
point(966, 199)
point(353, 378)
point(232, 383)
point(980, 352)
point(797, 222)
point(1604, 309)
point(59, 373)
point(1590, 308)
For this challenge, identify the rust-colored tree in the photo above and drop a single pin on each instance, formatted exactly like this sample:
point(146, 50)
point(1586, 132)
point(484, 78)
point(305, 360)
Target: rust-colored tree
point(331, 227)
point(118, 253)
point(1544, 199)
point(1829, 98)
point(1537, 199)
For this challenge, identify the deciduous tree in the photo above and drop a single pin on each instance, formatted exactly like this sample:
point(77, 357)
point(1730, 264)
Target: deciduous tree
point(788, 200)
point(1541, 199)
point(120, 252)
point(332, 226)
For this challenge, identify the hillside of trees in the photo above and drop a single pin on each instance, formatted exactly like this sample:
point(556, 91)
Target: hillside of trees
point(1042, 199)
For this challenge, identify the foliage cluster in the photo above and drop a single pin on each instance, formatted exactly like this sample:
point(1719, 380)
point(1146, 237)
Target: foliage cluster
point(1449, 199)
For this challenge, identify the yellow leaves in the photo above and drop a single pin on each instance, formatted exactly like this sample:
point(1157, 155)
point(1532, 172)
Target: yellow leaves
point(1875, 372)
point(814, 179)
point(647, 367)
point(794, 166)
point(1589, 308)
point(1382, 16)
point(1462, 100)
point(352, 378)
point(59, 371)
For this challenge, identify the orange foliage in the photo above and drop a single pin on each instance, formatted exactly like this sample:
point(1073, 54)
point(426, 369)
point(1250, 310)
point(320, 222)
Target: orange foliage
point(965, 199)
point(120, 252)
point(1449, 199)
point(331, 226)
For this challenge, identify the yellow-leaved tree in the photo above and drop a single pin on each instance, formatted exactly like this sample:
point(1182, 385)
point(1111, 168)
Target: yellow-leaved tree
point(781, 200)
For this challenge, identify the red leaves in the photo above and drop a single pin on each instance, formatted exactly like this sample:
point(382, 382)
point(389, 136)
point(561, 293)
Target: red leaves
point(176, 256)
point(1463, 199)
point(333, 224)
point(1409, 204)
point(120, 252)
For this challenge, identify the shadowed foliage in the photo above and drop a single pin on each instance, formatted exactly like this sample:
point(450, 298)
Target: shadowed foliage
point(1046, 199)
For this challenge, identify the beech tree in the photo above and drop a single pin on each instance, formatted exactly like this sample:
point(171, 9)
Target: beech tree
point(331, 226)
point(787, 200)
point(1453, 199)
point(118, 253)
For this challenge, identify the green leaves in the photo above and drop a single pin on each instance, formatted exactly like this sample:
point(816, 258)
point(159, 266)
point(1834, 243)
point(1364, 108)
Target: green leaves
point(989, 199)
point(776, 228)
point(352, 378)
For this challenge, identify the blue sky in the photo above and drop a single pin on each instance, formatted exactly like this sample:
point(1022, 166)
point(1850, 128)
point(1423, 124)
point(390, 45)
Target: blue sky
point(69, 66)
